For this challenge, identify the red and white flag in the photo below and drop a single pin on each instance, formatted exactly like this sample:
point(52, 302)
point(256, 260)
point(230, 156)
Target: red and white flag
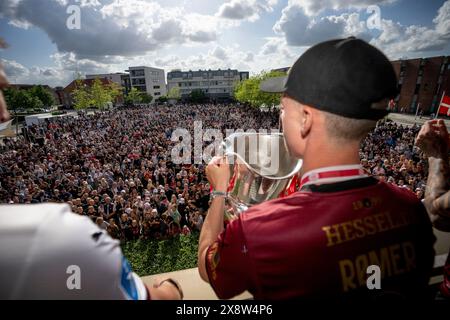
point(444, 106)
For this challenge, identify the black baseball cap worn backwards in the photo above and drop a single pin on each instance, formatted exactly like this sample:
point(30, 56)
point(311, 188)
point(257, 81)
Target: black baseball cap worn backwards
point(346, 77)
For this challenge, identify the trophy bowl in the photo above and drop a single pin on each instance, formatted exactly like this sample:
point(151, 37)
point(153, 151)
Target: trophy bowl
point(261, 168)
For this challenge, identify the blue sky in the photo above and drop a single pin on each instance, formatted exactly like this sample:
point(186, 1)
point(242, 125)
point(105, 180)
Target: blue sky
point(251, 35)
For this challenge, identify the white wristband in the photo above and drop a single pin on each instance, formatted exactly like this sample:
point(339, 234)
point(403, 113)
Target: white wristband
point(216, 194)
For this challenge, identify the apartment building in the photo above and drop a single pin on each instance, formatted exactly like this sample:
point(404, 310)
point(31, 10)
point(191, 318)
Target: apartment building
point(148, 79)
point(218, 85)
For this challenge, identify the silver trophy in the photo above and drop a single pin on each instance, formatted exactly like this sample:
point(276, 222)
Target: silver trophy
point(261, 169)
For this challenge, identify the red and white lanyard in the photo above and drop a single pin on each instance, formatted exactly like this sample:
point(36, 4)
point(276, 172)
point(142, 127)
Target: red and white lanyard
point(333, 174)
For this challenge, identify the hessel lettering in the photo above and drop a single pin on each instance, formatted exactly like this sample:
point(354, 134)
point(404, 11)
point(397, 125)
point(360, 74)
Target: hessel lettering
point(363, 227)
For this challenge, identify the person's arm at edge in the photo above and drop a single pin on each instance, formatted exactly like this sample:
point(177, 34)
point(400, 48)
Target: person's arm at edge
point(164, 290)
point(213, 225)
point(437, 194)
point(434, 143)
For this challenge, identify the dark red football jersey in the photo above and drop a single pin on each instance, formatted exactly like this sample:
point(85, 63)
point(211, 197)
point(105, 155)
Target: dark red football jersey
point(320, 243)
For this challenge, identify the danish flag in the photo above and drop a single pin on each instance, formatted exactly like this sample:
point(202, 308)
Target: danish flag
point(444, 106)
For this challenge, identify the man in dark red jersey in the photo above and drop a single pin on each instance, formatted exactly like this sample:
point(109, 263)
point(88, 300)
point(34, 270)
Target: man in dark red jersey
point(320, 241)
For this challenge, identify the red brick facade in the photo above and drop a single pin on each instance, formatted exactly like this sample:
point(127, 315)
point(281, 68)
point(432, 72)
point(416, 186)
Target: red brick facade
point(422, 81)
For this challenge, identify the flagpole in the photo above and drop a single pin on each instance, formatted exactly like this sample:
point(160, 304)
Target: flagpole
point(442, 98)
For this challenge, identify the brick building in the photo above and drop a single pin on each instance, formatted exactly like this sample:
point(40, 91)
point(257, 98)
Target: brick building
point(422, 81)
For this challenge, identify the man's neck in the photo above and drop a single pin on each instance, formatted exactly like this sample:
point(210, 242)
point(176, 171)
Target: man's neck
point(330, 157)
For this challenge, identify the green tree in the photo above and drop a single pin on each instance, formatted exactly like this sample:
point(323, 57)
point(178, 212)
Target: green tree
point(162, 99)
point(81, 95)
point(10, 95)
point(174, 93)
point(146, 98)
point(197, 95)
point(115, 91)
point(21, 99)
point(134, 96)
point(34, 98)
point(43, 95)
point(248, 91)
point(100, 94)
point(35, 102)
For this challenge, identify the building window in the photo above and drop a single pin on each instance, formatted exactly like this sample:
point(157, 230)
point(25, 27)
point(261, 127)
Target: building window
point(138, 82)
point(156, 87)
point(413, 103)
point(157, 93)
point(137, 73)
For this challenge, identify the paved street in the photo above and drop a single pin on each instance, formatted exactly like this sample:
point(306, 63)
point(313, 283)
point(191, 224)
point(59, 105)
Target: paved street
point(411, 119)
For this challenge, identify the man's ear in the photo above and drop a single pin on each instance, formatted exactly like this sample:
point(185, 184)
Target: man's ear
point(306, 119)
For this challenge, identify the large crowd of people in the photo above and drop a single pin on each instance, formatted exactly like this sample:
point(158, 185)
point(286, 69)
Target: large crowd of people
point(389, 154)
point(116, 166)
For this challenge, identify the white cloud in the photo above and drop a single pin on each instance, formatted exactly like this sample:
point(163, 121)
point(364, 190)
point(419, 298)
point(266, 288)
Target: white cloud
point(442, 20)
point(218, 57)
point(13, 69)
point(275, 53)
point(313, 7)
point(249, 57)
point(203, 36)
point(119, 28)
point(65, 69)
point(70, 62)
point(272, 46)
point(219, 53)
point(19, 74)
point(121, 33)
point(245, 9)
point(301, 30)
point(397, 40)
